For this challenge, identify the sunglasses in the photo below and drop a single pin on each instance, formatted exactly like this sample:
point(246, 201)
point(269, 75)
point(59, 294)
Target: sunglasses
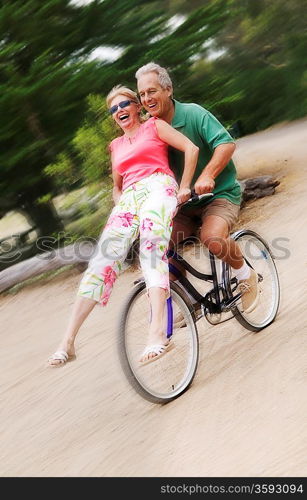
point(122, 104)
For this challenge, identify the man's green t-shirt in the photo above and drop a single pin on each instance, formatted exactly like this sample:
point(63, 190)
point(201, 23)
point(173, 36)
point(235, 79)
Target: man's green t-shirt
point(207, 133)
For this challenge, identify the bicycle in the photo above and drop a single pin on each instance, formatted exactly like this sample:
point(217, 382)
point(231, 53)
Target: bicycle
point(168, 377)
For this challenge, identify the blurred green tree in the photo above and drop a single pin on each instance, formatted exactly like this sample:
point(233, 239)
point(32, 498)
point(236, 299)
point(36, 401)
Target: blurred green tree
point(93, 138)
point(255, 68)
point(176, 47)
point(45, 77)
point(243, 60)
point(89, 145)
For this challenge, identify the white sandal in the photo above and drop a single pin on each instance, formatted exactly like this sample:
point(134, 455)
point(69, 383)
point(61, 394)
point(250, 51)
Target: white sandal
point(60, 356)
point(157, 349)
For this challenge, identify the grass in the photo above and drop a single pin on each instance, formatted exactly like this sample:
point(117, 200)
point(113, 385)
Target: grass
point(92, 221)
point(88, 225)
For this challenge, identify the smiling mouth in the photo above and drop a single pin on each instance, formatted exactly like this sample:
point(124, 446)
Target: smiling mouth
point(123, 117)
point(152, 106)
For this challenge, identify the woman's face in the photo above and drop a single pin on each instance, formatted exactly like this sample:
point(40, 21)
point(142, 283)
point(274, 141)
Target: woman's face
point(125, 111)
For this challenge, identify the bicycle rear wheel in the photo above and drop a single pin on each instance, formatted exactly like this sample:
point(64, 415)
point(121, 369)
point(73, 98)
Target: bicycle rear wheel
point(258, 256)
point(168, 377)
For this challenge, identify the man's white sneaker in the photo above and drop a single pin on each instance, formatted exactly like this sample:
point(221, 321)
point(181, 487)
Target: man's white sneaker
point(250, 290)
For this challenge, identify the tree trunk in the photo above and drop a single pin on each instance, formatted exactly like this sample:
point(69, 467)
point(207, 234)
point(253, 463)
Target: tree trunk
point(43, 216)
point(258, 187)
point(66, 256)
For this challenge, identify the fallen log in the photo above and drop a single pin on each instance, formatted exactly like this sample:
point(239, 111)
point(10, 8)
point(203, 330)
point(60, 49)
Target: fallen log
point(66, 256)
point(79, 254)
point(258, 187)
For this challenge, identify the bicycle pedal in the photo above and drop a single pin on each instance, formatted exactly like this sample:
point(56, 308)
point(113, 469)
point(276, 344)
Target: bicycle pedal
point(228, 305)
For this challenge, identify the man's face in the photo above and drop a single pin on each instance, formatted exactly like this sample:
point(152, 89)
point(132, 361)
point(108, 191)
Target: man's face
point(155, 99)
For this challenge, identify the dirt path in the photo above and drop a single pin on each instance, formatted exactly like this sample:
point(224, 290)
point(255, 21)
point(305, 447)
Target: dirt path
point(244, 415)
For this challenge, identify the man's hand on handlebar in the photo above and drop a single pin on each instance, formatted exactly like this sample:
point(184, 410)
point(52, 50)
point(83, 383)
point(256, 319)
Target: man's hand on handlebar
point(194, 197)
point(204, 184)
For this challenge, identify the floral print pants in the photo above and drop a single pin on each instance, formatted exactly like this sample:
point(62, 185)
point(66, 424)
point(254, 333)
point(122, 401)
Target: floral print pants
point(145, 209)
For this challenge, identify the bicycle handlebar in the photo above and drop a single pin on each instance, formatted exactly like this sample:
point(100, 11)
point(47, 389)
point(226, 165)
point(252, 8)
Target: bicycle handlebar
point(195, 197)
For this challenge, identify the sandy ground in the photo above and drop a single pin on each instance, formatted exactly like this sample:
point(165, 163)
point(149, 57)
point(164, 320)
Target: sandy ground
point(245, 413)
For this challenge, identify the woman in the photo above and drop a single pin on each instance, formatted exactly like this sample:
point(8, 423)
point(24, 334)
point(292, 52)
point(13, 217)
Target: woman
point(146, 194)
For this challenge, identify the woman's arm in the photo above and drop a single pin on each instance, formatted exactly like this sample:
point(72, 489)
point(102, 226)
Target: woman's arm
point(117, 184)
point(179, 141)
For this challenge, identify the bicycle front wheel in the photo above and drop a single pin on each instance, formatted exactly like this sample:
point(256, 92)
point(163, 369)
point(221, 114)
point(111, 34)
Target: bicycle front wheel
point(166, 378)
point(258, 256)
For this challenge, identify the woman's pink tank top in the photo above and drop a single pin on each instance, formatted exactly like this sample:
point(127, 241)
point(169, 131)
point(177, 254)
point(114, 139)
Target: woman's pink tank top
point(144, 155)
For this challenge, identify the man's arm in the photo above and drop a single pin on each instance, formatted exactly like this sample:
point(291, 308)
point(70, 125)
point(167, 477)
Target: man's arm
point(220, 158)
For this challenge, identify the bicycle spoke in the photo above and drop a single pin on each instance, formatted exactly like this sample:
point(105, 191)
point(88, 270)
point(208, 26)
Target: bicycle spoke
point(258, 256)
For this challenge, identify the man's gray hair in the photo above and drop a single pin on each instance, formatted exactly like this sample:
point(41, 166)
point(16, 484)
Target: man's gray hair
point(163, 76)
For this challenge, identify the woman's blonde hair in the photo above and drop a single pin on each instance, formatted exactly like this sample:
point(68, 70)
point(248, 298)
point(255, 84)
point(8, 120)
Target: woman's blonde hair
point(121, 90)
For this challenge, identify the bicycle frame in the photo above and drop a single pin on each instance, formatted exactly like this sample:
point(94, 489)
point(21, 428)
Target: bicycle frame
point(211, 303)
point(207, 304)
point(186, 283)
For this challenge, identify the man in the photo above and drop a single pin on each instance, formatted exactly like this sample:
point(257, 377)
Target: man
point(215, 172)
